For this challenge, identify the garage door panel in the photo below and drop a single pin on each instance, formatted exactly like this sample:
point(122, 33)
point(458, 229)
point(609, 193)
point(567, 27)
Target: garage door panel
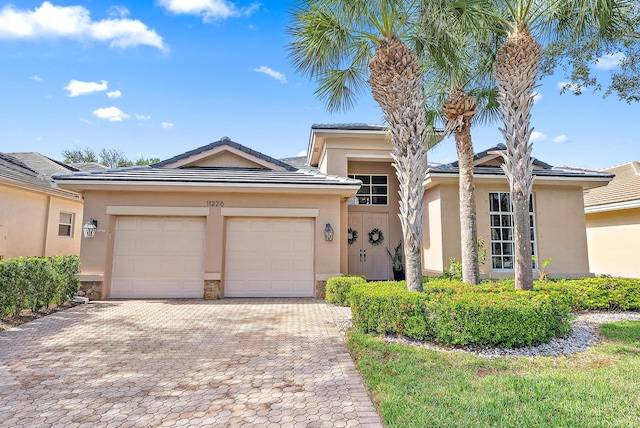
point(269, 257)
point(158, 257)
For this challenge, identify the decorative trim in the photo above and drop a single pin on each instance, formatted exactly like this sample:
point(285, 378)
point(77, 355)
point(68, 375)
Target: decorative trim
point(212, 276)
point(91, 277)
point(612, 207)
point(177, 211)
point(269, 212)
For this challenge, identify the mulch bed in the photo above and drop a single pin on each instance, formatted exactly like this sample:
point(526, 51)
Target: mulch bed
point(26, 315)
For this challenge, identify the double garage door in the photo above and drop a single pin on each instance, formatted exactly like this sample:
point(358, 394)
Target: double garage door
point(163, 257)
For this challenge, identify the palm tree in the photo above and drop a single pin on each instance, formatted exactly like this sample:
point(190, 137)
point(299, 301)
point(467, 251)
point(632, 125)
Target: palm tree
point(463, 85)
point(516, 72)
point(340, 44)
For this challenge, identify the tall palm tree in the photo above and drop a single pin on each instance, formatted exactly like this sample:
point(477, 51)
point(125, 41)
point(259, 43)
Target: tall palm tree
point(516, 72)
point(463, 85)
point(340, 44)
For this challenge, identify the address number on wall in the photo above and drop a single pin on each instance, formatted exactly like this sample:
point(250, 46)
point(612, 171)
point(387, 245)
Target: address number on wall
point(215, 203)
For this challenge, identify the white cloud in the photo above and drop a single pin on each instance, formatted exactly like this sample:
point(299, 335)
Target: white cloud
point(302, 153)
point(272, 73)
point(209, 9)
point(114, 94)
point(36, 78)
point(560, 139)
point(537, 136)
point(572, 87)
point(78, 87)
point(537, 97)
point(118, 12)
point(74, 22)
point(166, 125)
point(112, 114)
point(141, 117)
point(609, 61)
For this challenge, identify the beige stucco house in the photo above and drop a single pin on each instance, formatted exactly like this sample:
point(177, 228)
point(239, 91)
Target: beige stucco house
point(226, 221)
point(36, 218)
point(613, 223)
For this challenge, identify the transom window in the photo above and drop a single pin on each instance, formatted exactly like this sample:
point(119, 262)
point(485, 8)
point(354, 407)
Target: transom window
point(502, 237)
point(65, 225)
point(374, 189)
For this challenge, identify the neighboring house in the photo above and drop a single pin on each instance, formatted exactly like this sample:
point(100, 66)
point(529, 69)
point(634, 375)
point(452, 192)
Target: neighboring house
point(613, 223)
point(226, 221)
point(36, 218)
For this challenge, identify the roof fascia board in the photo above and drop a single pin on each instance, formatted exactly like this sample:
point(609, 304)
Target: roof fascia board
point(55, 191)
point(616, 206)
point(586, 180)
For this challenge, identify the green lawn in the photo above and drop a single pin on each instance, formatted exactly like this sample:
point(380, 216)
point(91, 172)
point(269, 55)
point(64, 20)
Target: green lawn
point(417, 387)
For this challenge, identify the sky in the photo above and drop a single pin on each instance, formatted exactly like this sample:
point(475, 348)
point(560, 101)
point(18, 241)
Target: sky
point(158, 78)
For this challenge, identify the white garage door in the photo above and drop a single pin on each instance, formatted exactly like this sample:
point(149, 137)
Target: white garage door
point(269, 257)
point(158, 257)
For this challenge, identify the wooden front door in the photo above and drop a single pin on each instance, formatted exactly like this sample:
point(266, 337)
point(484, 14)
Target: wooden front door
point(365, 258)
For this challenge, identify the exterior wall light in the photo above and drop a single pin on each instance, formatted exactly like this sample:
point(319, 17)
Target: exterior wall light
point(89, 228)
point(328, 233)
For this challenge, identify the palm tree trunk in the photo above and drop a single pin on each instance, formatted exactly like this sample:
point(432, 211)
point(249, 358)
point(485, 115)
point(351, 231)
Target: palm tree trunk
point(397, 85)
point(516, 74)
point(459, 109)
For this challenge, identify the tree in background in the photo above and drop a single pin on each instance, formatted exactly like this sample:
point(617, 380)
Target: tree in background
point(111, 158)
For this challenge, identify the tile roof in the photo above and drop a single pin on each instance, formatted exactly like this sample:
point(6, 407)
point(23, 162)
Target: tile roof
point(14, 169)
point(543, 170)
point(225, 141)
point(42, 164)
point(624, 187)
point(349, 126)
point(88, 166)
point(205, 176)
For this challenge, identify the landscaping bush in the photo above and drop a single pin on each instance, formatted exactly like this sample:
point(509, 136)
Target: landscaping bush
point(35, 283)
point(612, 294)
point(339, 287)
point(388, 307)
point(461, 316)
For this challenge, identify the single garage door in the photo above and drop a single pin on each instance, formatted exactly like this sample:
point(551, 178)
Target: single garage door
point(269, 257)
point(158, 257)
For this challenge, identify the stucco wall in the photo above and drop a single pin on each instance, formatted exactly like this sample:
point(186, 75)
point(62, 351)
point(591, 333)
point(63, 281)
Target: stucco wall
point(612, 239)
point(96, 253)
point(560, 227)
point(30, 220)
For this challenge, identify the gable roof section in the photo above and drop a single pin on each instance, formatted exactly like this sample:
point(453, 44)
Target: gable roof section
point(622, 192)
point(183, 159)
point(543, 170)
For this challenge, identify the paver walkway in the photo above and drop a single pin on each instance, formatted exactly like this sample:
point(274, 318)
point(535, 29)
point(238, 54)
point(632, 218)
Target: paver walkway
point(234, 362)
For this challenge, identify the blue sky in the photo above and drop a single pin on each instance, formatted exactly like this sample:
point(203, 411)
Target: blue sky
point(158, 78)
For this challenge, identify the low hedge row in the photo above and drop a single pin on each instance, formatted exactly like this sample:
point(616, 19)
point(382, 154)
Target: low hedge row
point(338, 288)
point(35, 283)
point(505, 319)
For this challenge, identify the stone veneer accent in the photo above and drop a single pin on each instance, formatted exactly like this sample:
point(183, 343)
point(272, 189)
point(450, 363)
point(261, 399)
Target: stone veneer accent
point(91, 290)
point(321, 288)
point(213, 289)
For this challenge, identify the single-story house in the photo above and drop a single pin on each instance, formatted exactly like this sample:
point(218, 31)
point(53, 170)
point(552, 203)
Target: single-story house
point(36, 218)
point(613, 223)
point(226, 221)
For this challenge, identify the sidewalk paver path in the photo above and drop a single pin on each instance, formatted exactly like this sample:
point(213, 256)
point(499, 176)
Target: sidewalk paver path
point(146, 363)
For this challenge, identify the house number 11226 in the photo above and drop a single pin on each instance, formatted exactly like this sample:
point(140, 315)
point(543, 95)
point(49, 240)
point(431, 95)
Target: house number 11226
point(215, 203)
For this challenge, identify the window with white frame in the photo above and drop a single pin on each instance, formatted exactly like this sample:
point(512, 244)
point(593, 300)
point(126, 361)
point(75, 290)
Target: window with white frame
point(374, 189)
point(65, 225)
point(502, 236)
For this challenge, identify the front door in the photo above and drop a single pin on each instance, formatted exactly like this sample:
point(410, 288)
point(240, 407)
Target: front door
point(366, 257)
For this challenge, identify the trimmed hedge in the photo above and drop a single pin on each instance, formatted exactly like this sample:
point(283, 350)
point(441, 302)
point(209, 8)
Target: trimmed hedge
point(35, 283)
point(611, 294)
point(462, 317)
point(339, 288)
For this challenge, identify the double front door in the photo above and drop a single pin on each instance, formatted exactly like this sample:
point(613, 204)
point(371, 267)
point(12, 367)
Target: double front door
point(365, 257)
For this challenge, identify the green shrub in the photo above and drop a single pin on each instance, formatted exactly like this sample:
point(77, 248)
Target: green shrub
point(460, 315)
point(505, 319)
point(598, 293)
point(339, 288)
point(388, 307)
point(35, 283)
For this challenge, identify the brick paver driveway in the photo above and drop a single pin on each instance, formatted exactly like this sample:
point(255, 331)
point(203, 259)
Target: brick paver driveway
point(235, 362)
